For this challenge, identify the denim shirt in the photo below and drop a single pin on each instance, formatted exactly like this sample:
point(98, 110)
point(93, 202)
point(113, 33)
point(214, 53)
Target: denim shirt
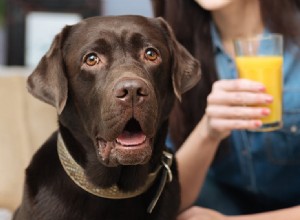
point(266, 164)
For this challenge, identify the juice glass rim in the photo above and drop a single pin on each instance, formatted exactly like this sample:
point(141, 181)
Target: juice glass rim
point(249, 46)
point(259, 37)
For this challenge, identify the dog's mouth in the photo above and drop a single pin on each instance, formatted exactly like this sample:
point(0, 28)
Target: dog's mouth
point(132, 135)
point(131, 147)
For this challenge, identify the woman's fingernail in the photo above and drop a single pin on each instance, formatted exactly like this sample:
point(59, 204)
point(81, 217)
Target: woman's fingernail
point(257, 124)
point(265, 111)
point(262, 88)
point(269, 99)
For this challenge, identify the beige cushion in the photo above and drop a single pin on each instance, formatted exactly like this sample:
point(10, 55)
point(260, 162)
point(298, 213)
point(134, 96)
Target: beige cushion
point(25, 123)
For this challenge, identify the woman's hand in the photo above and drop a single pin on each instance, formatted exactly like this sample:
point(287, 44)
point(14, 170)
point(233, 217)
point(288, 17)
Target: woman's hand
point(198, 213)
point(231, 105)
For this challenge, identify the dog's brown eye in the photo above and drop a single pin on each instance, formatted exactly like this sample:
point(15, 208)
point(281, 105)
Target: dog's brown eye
point(91, 59)
point(151, 54)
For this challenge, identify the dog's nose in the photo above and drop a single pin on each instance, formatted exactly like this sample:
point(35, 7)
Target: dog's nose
point(131, 91)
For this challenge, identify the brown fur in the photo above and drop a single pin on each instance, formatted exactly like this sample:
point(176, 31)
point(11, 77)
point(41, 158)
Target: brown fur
point(141, 69)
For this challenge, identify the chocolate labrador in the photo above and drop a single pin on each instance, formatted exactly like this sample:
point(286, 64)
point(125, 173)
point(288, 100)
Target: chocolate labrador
point(113, 81)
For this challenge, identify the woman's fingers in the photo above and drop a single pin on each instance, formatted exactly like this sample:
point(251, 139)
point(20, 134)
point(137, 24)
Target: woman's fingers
point(238, 92)
point(238, 85)
point(236, 104)
point(221, 125)
point(236, 112)
point(238, 98)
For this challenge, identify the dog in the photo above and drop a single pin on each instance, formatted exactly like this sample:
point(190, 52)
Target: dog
point(113, 81)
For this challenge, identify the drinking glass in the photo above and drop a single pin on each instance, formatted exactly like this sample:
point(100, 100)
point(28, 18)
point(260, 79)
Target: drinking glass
point(260, 58)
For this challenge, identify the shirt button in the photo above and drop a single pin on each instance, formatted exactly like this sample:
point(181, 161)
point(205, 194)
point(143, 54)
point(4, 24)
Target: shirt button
point(294, 129)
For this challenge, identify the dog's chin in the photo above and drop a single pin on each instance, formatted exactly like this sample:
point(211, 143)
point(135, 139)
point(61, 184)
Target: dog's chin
point(127, 149)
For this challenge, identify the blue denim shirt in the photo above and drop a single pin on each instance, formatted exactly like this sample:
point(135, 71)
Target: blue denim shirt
point(265, 163)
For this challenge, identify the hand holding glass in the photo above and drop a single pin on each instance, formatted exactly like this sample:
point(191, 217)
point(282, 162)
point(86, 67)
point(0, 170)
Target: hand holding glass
point(260, 59)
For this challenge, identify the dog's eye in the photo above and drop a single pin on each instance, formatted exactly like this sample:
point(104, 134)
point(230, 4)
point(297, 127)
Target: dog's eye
point(151, 54)
point(91, 59)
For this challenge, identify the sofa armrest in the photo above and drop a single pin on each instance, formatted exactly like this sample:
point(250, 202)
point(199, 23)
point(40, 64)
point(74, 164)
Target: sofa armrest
point(25, 123)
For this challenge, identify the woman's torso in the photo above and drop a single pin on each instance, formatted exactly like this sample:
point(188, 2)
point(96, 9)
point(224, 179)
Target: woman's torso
point(266, 164)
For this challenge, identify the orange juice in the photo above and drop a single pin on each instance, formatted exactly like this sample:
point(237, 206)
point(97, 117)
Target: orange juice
point(267, 70)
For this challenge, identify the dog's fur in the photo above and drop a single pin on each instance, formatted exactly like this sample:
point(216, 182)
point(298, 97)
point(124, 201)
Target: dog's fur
point(110, 78)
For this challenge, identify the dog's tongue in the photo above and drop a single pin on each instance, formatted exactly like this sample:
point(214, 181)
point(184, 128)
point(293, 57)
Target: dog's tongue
point(131, 138)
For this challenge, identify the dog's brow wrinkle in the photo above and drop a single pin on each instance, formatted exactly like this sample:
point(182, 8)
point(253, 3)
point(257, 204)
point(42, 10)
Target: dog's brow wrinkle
point(137, 39)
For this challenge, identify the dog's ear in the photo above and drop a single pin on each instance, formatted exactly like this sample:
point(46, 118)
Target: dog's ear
point(48, 81)
point(186, 69)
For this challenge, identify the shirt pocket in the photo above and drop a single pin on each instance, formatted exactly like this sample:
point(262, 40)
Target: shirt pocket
point(283, 146)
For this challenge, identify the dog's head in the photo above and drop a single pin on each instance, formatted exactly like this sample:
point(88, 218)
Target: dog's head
point(113, 80)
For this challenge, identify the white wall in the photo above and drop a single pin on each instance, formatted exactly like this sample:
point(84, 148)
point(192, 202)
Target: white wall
point(121, 7)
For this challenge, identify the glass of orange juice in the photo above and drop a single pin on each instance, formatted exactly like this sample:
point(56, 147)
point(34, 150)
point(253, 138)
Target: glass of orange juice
point(261, 59)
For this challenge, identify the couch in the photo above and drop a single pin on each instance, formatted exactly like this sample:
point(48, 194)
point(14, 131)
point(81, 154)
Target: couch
point(25, 123)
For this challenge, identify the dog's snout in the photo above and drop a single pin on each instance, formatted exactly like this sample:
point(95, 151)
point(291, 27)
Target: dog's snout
point(131, 91)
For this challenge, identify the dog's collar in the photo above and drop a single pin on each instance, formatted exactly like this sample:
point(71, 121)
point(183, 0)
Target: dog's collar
point(77, 174)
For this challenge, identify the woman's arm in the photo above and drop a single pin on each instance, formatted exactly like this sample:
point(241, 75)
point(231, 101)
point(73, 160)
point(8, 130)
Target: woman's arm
point(292, 213)
point(195, 213)
point(226, 110)
point(194, 158)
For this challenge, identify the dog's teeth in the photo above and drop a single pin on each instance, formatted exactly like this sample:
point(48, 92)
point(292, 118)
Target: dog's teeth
point(101, 144)
point(104, 149)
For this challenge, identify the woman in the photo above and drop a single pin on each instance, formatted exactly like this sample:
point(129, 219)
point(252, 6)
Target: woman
point(243, 174)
